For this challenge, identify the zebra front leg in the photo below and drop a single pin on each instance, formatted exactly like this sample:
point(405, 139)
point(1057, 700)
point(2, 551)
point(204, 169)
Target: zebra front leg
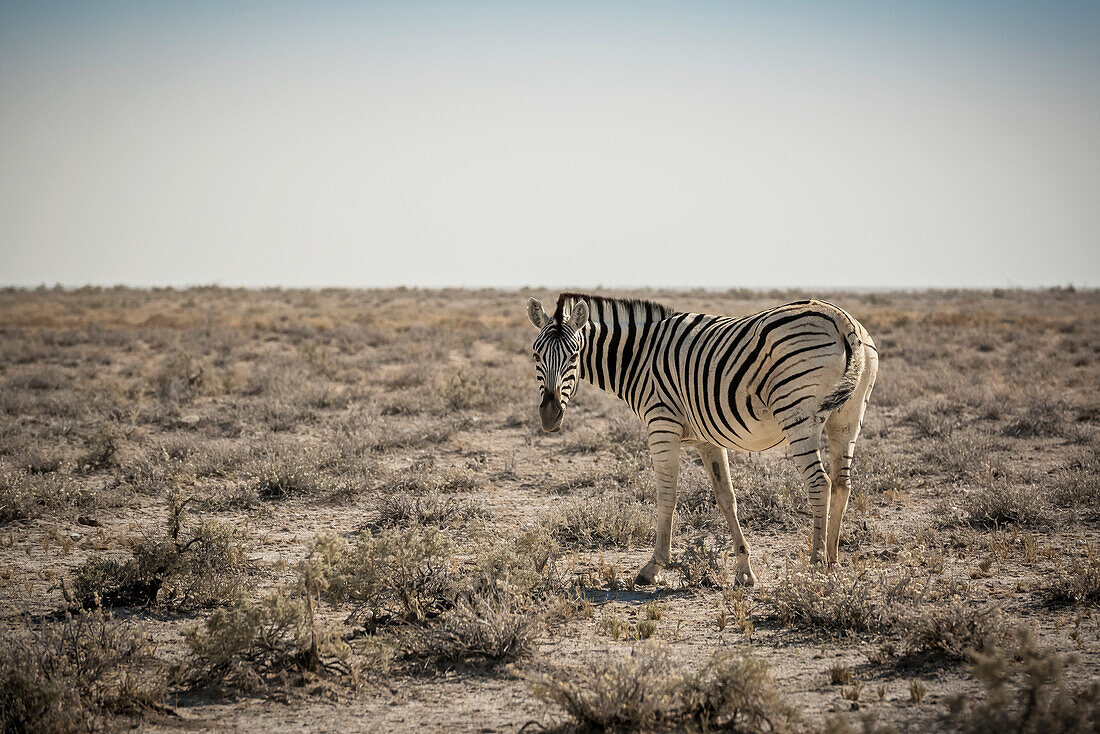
point(716, 462)
point(664, 446)
point(805, 443)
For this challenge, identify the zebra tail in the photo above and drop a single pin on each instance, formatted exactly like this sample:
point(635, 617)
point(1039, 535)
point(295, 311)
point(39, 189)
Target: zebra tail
point(853, 368)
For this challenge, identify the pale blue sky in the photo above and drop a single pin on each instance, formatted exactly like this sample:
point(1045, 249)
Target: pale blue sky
point(869, 145)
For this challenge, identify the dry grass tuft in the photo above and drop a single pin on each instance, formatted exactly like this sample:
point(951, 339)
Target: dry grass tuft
point(1025, 690)
point(67, 676)
point(490, 629)
point(1079, 584)
point(953, 632)
point(401, 510)
point(403, 573)
point(646, 691)
point(202, 566)
point(607, 521)
point(260, 646)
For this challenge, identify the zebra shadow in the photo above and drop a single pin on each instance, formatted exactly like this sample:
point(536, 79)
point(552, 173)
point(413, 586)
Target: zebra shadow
point(598, 596)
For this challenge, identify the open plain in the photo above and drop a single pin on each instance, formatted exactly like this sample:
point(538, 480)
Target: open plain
point(244, 510)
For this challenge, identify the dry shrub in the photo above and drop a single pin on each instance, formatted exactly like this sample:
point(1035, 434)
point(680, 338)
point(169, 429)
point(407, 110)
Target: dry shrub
point(1043, 418)
point(24, 495)
point(852, 598)
point(1025, 690)
point(607, 521)
point(1079, 584)
point(396, 572)
point(178, 377)
point(402, 510)
point(490, 629)
point(101, 450)
point(999, 502)
point(952, 632)
point(186, 568)
point(404, 436)
point(44, 377)
point(963, 456)
point(840, 724)
point(423, 478)
point(40, 461)
point(279, 479)
point(1077, 486)
point(69, 675)
point(933, 419)
point(476, 388)
point(647, 692)
point(696, 507)
point(623, 437)
point(734, 691)
point(880, 470)
point(702, 564)
point(525, 568)
point(769, 493)
point(257, 646)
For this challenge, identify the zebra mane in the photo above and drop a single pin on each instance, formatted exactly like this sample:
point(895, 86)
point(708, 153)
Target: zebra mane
point(643, 311)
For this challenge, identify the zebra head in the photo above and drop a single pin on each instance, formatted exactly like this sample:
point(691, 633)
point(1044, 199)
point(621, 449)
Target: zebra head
point(557, 352)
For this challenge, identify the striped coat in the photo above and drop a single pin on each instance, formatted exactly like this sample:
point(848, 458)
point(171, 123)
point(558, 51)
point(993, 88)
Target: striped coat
point(718, 383)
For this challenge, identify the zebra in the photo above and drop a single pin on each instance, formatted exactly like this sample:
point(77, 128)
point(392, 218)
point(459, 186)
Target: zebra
point(718, 383)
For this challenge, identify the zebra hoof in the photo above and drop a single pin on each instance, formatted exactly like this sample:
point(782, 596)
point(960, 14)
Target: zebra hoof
point(648, 575)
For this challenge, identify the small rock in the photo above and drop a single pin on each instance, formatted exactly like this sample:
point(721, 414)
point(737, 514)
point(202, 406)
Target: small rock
point(89, 521)
point(75, 536)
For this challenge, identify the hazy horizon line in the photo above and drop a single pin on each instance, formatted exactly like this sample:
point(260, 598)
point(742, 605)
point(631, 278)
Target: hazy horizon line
point(1062, 287)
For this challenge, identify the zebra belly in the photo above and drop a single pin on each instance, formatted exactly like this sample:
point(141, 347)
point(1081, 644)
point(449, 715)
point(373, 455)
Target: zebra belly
point(757, 434)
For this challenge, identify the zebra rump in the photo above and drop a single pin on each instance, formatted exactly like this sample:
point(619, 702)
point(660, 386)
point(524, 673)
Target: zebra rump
point(853, 368)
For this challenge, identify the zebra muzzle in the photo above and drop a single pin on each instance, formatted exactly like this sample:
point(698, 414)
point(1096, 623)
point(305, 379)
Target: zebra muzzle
point(551, 413)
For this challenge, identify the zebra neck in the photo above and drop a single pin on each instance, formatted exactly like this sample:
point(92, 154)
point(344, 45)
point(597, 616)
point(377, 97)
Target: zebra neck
point(613, 357)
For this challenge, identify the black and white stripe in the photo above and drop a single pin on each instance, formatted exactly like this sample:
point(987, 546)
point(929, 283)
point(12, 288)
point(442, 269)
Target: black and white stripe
point(718, 382)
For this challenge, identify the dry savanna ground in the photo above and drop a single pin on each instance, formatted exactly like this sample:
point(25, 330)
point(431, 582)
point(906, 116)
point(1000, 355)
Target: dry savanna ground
point(320, 510)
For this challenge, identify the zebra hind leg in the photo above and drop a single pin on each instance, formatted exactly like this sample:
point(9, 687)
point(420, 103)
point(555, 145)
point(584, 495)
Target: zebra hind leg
point(716, 462)
point(842, 429)
point(804, 438)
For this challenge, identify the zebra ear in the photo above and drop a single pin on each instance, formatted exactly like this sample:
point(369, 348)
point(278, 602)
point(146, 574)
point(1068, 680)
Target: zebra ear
point(536, 313)
point(578, 315)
